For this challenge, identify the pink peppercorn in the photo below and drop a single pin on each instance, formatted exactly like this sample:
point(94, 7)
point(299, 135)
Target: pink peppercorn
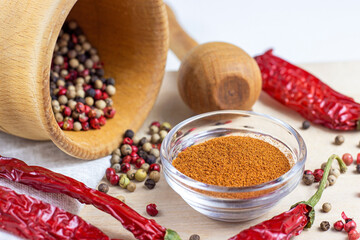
point(125, 167)
point(318, 174)
point(68, 125)
point(83, 118)
point(156, 123)
point(62, 91)
point(102, 120)
point(349, 223)
point(85, 126)
point(134, 157)
point(154, 167)
point(87, 109)
point(94, 123)
point(126, 159)
point(98, 94)
point(109, 112)
point(134, 149)
point(67, 111)
point(109, 172)
point(92, 113)
point(104, 96)
point(308, 172)
point(61, 124)
point(114, 179)
point(358, 159)
point(353, 235)
point(151, 209)
point(127, 141)
point(339, 225)
point(348, 159)
point(80, 107)
point(139, 162)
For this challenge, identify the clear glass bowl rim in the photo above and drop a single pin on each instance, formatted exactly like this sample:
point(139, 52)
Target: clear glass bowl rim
point(221, 189)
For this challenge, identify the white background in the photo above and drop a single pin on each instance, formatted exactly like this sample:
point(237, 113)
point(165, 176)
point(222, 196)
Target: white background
point(299, 31)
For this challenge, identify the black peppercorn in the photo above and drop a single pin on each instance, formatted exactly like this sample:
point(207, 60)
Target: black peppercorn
point(80, 99)
point(129, 133)
point(100, 72)
point(110, 81)
point(150, 184)
point(305, 125)
point(103, 187)
point(142, 154)
point(81, 58)
point(150, 159)
point(324, 225)
point(358, 168)
point(143, 141)
point(90, 92)
point(194, 237)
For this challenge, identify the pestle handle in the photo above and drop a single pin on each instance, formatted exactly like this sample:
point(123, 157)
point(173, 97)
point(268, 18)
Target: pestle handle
point(180, 42)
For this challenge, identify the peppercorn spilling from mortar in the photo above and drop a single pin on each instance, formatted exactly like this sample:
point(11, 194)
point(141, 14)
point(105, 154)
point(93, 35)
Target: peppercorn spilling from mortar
point(81, 95)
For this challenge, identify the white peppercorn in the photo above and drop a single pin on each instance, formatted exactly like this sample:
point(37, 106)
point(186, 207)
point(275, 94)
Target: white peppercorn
point(59, 60)
point(59, 117)
point(63, 100)
point(95, 58)
point(326, 207)
point(72, 54)
point(89, 101)
point(335, 172)
point(98, 84)
point(117, 152)
point(60, 83)
point(77, 126)
point(55, 103)
point(65, 37)
point(100, 104)
point(80, 80)
point(136, 140)
point(115, 159)
point(56, 109)
point(131, 187)
point(80, 68)
point(154, 175)
point(154, 129)
point(131, 174)
point(71, 104)
point(332, 180)
point(165, 126)
point(155, 138)
point(80, 93)
point(126, 149)
point(145, 166)
point(86, 46)
point(89, 63)
point(71, 94)
point(155, 152)
point(162, 134)
point(147, 147)
point(111, 90)
point(72, 25)
point(74, 63)
point(82, 38)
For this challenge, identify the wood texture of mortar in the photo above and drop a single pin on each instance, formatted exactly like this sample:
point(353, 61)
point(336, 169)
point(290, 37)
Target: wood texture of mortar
point(132, 39)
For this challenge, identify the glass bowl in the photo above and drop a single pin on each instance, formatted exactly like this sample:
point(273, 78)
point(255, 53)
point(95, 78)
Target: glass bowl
point(233, 204)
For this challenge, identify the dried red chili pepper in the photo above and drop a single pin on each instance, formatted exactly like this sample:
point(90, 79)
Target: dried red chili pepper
point(30, 218)
point(306, 94)
point(48, 181)
point(290, 223)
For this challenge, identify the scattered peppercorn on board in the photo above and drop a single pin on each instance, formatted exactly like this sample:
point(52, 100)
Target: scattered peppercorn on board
point(174, 213)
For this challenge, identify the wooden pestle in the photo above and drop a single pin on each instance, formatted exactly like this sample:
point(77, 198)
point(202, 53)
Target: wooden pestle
point(215, 75)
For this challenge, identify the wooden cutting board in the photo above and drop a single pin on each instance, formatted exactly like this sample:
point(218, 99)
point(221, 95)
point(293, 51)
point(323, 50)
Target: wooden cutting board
point(174, 213)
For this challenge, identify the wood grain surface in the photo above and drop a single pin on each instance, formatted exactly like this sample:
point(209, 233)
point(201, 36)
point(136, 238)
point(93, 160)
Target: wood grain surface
point(176, 214)
point(132, 39)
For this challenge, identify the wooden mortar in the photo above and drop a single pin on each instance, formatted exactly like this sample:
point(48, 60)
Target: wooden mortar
point(215, 75)
point(132, 39)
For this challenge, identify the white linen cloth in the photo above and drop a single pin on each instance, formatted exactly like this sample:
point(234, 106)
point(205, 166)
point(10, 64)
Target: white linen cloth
point(47, 155)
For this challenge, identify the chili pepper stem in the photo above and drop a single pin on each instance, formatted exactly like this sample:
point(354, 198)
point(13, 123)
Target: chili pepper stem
point(171, 235)
point(316, 197)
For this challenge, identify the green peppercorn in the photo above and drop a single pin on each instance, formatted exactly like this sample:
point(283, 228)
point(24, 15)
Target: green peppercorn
point(131, 174)
point(103, 187)
point(140, 175)
point(116, 167)
point(339, 140)
point(126, 149)
point(131, 187)
point(165, 126)
point(335, 172)
point(124, 181)
point(326, 207)
point(147, 147)
point(115, 159)
point(194, 237)
point(77, 126)
point(149, 183)
point(117, 152)
point(155, 138)
point(324, 225)
point(145, 166)
point(154, 175)
point(308, 179)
